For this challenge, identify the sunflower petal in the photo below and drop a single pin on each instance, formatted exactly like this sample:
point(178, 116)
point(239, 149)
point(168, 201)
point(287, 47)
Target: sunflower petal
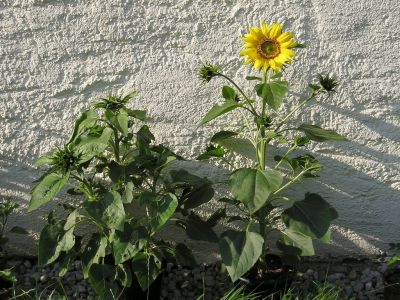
point(285, 37)
point(275, 31)
point(258, 64)
point(265, 29)
point(289, 44)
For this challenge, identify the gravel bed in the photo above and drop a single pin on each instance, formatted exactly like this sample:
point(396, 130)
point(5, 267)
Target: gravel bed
point(32, 277)
point(360, 279)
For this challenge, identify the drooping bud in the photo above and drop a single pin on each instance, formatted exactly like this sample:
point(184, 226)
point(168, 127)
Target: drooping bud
point(207, 72)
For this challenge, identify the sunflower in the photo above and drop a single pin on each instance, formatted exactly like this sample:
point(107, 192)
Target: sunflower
point(268, 47)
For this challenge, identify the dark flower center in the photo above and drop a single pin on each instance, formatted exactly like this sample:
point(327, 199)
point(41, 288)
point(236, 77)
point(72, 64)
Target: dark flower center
point(269, 49)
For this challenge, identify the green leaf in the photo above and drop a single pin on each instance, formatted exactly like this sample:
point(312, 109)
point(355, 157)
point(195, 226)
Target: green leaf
point(240, 250)
point(240, 146)
point(137, 114)
point(127, 197)
point(198, 196)
point(253, 187)
point(222, 135)
point(184, 256)
point(56, 238)
point(291, 238)
point(94, 251)
point(229, 93)
point(47, 188)
point(311, 216)
point(197, 229)
point(88, 147)
point(124, 275)
point(123, 249)
point(143, 139)
point(162, 208)
point(101, 278)
point(146, 269)
point(211, 152)
point(108, 210)
point(87, 120)
point(273, 92)
point(45, 159)
point(130, 96)
point(253, 78)
point(8, 275)
point(122, 121)
point(18, 230)
point(218, 110)
point(318, 134)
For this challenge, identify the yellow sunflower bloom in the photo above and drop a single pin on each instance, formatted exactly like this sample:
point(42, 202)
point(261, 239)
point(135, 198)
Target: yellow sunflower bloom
point(268, 47)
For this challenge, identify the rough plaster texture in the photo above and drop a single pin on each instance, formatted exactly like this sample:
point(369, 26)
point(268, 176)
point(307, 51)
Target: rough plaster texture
point(55, 56)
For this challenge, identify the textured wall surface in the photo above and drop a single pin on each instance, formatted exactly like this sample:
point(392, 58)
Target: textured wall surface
point(56, 56)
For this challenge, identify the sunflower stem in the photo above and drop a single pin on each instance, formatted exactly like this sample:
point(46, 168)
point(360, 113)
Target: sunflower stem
point(254, 112)
point(302, 103)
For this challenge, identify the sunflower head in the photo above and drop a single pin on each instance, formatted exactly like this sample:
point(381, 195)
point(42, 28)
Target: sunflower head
point(207, 72)
point(328, 83)
point(268, 47)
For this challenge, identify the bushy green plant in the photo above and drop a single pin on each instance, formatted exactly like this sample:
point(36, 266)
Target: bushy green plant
point(120, 184)
point(258, 191)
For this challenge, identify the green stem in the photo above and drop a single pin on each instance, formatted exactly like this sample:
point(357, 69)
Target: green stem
point(287, 152)
point(298, 176)
point(302, 103)
point(241, 92)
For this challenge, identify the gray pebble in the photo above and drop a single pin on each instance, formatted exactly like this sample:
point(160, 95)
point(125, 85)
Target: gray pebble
point(43, 278)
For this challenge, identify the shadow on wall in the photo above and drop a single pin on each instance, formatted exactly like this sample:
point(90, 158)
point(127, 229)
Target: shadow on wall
point(346, 188)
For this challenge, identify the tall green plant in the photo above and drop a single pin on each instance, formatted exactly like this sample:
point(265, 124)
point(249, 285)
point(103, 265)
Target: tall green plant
point(259, 191)
point(120, 184)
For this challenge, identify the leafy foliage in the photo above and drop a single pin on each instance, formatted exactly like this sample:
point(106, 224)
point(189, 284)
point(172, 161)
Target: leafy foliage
point(122, 186)
point(259, 190)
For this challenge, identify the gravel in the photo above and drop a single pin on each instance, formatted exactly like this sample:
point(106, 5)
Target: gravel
point(362, 279)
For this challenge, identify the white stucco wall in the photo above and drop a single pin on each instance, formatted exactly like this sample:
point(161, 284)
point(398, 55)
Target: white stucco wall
point(56, 56)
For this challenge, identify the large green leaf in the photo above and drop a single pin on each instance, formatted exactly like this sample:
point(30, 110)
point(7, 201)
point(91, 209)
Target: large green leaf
point(146, 268)
point(102, 280)
point(273, 92)
point(311, 216)
point(198, 196)
point(55, 238)
point(143, 139)
point(253, 187)
point(46, 159)
point(122, 121)
point(137, 114)
point(239, 145)
point(94, 251)
point(47, 188)
point(218, 110)
point(122, 246)
point(108, 210)
point(88, 147)
point(197, 229)
point(162, 208)
point(229, 93)
point(87, 120)
point(291, 240)
point(319, 134)
point(240, 250)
